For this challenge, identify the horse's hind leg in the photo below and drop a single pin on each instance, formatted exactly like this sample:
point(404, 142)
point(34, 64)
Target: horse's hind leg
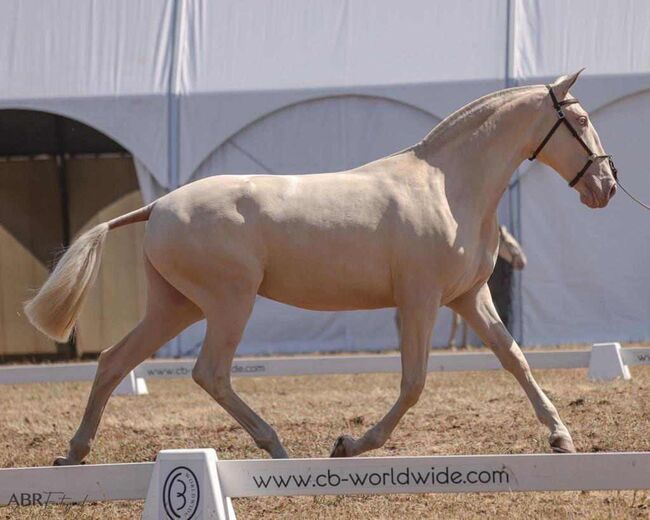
point(168, 313)
point(479, 311)
point(227, 315)
point(418, 317)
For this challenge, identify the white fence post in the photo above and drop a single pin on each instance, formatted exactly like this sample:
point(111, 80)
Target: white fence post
point(606, 362)
point(184, 486)
point(131, 385)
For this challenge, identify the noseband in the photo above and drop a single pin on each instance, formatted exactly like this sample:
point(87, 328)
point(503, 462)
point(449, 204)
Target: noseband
point(557, 105)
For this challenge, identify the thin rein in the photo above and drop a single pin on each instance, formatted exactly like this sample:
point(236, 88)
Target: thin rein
point(632, 196)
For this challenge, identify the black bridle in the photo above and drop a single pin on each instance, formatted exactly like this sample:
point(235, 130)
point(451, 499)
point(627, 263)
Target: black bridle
point(557, 105)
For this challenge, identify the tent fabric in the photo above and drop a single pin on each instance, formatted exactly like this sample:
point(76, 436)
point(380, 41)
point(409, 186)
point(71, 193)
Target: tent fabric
point(553, 37)
point(240, 61)
point(195, 87)
point(106, 64)
point(150, 189)
point(586, 279)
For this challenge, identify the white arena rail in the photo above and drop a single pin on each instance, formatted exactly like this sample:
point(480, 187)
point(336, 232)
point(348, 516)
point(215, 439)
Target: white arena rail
point(194, 484)
point(605, 361)
point(636, 356)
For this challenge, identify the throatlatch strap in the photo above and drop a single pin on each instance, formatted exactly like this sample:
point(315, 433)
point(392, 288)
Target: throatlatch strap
point(546, 140)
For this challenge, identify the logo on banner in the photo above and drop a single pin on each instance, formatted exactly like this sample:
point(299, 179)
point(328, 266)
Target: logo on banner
point(181, 494)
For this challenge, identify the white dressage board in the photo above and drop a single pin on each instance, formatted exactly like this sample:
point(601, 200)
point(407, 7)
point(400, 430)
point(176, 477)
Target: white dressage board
point(617, 357)
point(182, 479)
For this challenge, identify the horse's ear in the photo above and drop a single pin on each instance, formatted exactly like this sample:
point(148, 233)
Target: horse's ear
point(562, 84)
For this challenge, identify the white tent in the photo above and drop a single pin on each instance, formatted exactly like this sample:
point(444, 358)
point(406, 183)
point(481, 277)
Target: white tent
point(196, 87)
point(286, 87)
point(588, 278)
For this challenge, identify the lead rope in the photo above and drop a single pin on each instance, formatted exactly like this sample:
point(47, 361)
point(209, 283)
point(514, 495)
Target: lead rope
point(632, 196)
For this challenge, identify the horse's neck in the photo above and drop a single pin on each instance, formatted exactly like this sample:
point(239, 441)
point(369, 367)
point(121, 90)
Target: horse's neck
point(479, 162)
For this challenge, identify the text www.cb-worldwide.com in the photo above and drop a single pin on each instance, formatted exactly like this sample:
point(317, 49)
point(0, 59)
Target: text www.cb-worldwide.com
point(403, 477)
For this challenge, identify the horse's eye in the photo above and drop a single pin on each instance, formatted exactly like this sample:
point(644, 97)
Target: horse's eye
point(582, 120)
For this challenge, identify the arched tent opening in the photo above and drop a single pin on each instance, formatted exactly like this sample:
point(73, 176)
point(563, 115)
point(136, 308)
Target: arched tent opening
point(58, 177)
point(319, 135)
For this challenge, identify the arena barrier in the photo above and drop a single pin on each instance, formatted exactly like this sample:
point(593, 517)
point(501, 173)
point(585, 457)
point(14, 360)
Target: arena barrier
point(187, 484)
point(605, 361)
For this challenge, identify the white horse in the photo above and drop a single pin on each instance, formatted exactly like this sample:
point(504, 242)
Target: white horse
point(509, 251)
point(415, 230)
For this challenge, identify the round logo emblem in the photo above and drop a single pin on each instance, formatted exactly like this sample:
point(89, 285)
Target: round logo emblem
point(181, 494)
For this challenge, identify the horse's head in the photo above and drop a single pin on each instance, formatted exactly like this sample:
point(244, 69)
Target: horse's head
point(569, 143)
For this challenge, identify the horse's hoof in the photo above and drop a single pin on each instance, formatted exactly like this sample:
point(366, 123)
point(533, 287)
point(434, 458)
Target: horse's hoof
point(62, 461)
point(562, 444)
point(341, 447)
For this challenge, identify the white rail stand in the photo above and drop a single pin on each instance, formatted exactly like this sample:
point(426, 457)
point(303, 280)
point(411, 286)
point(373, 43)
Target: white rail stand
point(606, 362)
point(131, 385)
point(185, 485)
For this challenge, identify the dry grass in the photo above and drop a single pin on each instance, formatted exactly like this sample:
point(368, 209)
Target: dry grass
point(463, 413)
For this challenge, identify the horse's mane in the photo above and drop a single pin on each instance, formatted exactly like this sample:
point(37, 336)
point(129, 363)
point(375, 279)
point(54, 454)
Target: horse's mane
point(472, 115)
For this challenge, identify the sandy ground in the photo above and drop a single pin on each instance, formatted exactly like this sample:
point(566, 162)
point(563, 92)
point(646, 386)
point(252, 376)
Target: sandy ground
point(461, 413)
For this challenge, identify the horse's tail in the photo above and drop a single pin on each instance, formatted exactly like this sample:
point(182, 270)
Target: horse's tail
point(56, 307)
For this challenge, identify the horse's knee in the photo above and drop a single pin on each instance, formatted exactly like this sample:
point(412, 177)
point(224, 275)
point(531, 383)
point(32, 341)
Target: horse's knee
point(411, 390)
point(203, 378)
point(510, 362)
point(221, 389)
point(199, 378)
point(509, 354)
point(109, 372)
point(217, 386)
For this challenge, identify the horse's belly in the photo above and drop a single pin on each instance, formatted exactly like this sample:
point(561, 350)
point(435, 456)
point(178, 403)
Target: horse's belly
point(334, 281)
point(333, 297)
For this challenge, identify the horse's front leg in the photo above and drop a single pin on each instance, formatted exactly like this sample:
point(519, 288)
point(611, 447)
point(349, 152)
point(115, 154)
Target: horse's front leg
point(417, 316)
point(479, 311)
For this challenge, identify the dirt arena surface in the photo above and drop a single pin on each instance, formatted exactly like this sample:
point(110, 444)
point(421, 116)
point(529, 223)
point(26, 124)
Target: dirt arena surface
point(459, 413)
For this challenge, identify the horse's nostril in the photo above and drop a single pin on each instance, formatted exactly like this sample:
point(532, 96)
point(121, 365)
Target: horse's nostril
point(612, 191)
